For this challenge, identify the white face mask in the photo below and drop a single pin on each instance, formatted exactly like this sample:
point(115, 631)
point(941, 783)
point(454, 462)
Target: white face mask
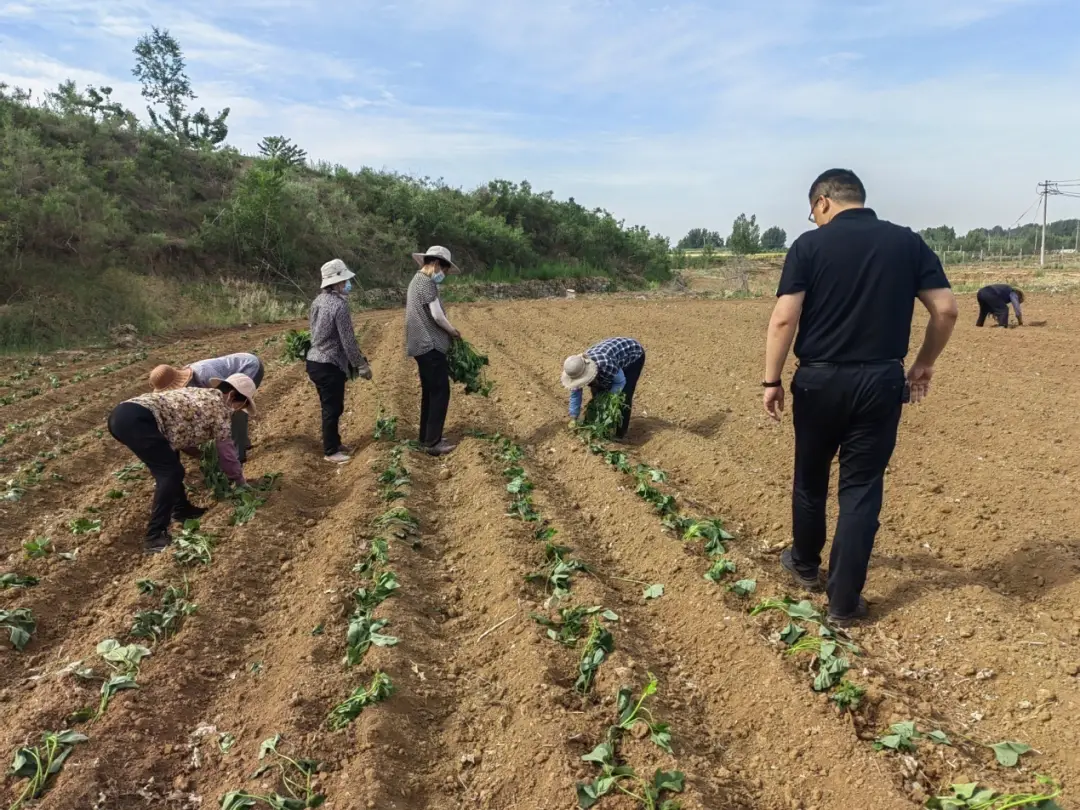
point(348, 286)
point(439, 277)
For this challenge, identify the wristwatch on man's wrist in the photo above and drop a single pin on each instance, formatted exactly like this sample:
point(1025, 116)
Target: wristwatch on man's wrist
point(776, 384)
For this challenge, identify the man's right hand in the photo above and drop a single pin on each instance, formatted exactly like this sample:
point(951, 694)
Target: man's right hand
point(919, 376)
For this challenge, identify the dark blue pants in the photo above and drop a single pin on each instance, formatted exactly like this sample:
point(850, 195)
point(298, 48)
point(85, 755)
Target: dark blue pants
point(854, 409)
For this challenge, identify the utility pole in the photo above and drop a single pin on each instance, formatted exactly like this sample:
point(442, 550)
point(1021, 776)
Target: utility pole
point(1044, 189)
point(1076, 249)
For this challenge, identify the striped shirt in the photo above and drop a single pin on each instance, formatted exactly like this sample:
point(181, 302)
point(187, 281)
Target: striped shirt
point(422, 333)
point(612, 356)
point(333, 340)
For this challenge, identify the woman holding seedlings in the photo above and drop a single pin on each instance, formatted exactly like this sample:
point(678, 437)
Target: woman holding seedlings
point(611, 366)
point(199, 374)
point(155, 426)
point(428, 335)
point(334, 356)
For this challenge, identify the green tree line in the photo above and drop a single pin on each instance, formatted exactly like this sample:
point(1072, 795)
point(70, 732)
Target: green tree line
point(746, 238)
point(90, 196)
point(1026, 239)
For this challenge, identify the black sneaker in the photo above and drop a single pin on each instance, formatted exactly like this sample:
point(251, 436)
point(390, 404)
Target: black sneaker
point(849, 619)
point(188, 512)
point(156, 543)
point(787, 562)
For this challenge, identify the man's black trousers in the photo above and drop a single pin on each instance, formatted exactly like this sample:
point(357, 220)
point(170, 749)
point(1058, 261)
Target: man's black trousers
point(989, 303)
point(434, 395)
point(135, 426)
point(854, 409)
point(330, 383)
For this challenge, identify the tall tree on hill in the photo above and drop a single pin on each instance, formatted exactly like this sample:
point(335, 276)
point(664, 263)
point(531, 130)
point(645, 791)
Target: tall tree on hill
point(282, 151)
point(698, 238)
point(774, 238)
point(745, 235)
point(159, 66)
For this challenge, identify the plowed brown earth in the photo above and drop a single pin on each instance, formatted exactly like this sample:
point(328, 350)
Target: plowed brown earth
point(974, 585)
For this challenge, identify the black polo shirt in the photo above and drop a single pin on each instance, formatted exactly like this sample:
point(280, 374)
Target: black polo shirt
point(861, 275)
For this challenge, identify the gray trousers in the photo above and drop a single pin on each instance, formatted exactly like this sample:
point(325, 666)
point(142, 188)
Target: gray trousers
point(240, 433)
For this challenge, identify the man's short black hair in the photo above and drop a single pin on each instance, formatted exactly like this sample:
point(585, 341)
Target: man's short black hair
point(841, 185)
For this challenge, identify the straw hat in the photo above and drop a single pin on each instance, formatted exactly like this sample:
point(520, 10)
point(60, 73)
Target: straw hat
point(334, 272)
point(166, 378)
point(578, 371)
point(243, 385)
point(436, 252)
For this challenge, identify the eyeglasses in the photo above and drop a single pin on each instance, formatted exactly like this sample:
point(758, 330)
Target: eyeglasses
point(810, 216)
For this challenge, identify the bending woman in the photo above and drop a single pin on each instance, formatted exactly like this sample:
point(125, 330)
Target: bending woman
point(156, 426)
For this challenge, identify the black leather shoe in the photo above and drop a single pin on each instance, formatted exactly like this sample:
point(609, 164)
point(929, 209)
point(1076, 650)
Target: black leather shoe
point(849, 619)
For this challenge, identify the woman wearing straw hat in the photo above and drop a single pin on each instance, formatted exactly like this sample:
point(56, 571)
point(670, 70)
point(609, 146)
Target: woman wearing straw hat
point(200, 373)
point(156, 426)
point(428, 335)
point(612, 365)
point(334, 356)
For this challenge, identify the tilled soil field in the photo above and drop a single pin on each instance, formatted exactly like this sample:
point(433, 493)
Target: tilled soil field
point(974, 585)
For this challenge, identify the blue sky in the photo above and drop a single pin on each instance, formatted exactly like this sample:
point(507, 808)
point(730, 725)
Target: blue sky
point(670, 115)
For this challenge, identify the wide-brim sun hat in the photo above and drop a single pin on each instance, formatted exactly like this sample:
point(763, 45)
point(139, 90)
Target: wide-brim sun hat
point(578, 371)
point(436, 252)
point(334, 272)
point(244, 386)
point(168, 378)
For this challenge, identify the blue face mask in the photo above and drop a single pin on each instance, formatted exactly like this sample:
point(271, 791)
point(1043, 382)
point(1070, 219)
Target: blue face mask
point(439, 277)
point(348, 286)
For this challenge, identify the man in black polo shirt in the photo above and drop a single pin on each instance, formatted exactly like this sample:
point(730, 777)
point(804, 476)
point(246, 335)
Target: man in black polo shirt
point(850, 288)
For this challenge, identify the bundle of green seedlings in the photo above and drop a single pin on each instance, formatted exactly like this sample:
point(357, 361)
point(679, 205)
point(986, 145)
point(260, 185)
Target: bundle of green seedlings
point(20, 626)
point(617, 777)
point(829, 649)
point(38, 765)
point(161, 623)
point(603, 416)
point(245, 500)
point(969, 796)
point(467, 366)
point(294, 775)
point(297, 345)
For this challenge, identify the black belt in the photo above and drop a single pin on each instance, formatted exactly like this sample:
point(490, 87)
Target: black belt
point(852, 364)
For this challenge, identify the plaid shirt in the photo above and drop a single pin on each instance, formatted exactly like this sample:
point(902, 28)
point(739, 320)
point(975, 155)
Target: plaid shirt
point(333, 340)
point(612, 356)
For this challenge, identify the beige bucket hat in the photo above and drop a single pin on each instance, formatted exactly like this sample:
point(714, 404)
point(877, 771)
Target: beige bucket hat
point(244, 386)
point(578, 371)
point(168, 378)
point(334, 272)
point(436, 252)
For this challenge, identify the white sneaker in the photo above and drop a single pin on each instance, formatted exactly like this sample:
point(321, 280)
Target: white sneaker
point(337, 458)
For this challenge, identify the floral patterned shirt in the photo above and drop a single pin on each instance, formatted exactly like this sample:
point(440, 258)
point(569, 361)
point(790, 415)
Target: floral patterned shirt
point(189, 417)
